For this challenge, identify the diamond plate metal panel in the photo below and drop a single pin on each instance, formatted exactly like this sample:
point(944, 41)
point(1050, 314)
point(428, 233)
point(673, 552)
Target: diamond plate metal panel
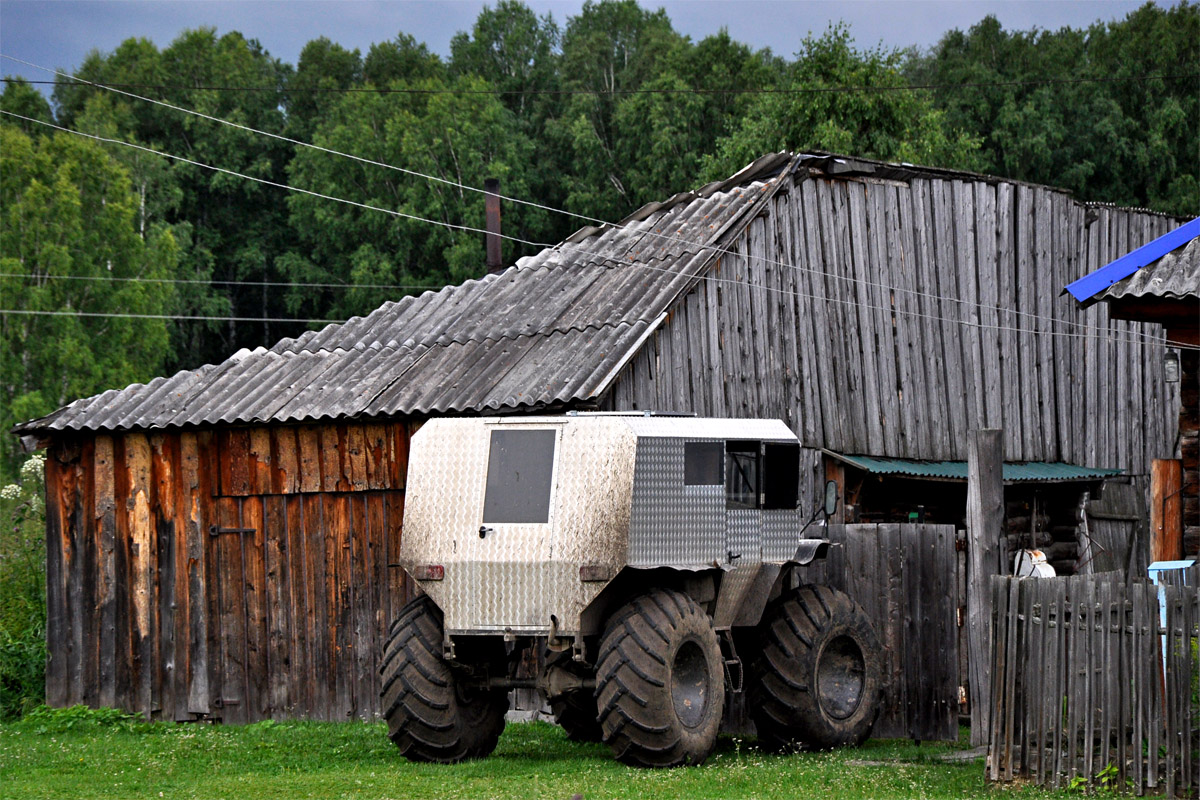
point(734, 587)
point(672, 524)
point(744, 534)
point(781, 533)
point(518, 575)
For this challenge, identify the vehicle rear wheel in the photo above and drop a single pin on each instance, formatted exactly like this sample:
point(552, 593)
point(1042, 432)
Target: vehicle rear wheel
point(575, 712)
point(660, 682)
point(817, 679)
point(431, 714)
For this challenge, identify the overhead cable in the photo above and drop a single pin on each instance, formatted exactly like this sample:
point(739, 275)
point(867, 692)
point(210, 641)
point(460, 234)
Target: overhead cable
point(203, 282)
point(603, 224)
point(1099, 333)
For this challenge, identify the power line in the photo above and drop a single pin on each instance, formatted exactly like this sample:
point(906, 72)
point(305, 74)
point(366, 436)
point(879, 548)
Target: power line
point(264, 181)
point(666, 237)
point(188, 317)
point(807, 90)
point(199, 281)
point(310, 145)
point(1095, 330)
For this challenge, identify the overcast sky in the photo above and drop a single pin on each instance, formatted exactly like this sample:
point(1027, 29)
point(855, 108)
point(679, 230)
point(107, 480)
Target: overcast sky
point(58, 33)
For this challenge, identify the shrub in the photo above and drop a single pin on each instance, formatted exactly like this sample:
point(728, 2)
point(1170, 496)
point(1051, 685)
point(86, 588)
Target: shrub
point(23, 591)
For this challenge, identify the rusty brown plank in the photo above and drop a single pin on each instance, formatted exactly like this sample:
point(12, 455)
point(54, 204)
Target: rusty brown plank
point(308, 442)
point(285, 475)
point(250, 519)
point(106, 606)
point(259, 464)
point(140, 572)
point(331, 459)
point(60, 497)
point(278, 606)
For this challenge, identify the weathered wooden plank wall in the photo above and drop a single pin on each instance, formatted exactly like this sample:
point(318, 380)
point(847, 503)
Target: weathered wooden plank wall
point(892, 318)
point(240, 574)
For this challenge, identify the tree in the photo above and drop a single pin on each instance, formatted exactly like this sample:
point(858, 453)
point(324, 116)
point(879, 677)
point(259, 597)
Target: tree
point(814, 112)
point(323, 69)
point(1074, 108)
point(612, 48)
point(517, 52)
point(21, 98)
point(701, 94)
point(461, 136)
point(68, 209)
point(402, 59)
point(237, 227)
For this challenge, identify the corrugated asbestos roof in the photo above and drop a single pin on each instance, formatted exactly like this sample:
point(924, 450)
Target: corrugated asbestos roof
point(555, 328)
point(1015, 472)
point(1175, 276)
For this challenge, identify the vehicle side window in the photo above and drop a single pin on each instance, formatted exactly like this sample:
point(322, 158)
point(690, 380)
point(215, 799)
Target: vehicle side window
point(741, 474)
point(703, 463)
point(519, 474)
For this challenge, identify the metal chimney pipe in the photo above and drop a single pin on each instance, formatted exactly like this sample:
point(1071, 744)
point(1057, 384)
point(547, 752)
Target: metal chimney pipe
point(495, 261)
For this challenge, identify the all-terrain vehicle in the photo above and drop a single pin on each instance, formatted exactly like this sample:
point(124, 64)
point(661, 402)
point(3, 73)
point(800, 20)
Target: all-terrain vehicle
point(649, 559)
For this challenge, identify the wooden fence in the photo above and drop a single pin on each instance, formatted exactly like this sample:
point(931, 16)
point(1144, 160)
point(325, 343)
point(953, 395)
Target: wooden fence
point(1094, 682)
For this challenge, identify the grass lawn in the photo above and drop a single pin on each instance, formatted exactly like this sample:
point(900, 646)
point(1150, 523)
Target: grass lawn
point(77, 754)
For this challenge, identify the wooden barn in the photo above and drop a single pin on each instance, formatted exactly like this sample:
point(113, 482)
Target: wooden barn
point(222, 542)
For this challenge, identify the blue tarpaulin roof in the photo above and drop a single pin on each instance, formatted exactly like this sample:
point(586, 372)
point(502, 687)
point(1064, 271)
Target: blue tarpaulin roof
point(1096, 282)
point(1014, 472)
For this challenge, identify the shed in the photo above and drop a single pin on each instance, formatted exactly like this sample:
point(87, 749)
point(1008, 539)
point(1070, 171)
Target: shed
point(1159, 282)
point(222, 541)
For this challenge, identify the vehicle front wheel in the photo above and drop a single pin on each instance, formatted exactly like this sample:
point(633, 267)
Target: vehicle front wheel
point(431, 714)
point(660, 682)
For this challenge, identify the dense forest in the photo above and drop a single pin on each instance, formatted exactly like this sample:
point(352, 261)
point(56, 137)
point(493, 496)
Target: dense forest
point(589, 117)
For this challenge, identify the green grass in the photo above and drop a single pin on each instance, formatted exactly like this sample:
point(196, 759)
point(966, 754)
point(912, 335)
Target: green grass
point(81, 754)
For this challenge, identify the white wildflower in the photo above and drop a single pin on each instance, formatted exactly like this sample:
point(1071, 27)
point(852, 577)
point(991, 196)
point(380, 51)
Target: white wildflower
point(10, 492)
point(33, 467)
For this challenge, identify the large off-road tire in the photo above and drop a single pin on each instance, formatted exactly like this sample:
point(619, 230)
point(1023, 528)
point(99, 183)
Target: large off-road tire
point(816, 681)
point(575, 712)
point(660, 682)
point(431, 715)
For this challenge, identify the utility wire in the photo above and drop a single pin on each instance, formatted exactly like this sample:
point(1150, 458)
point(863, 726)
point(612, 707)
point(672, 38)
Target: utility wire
point(808, 90)
point(310, 145)
point(288, 284)
point(602, 223)
point(1100, 333)
point(125, 315)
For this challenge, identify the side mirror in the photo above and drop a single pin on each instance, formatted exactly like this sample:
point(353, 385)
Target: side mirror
point(831, 498)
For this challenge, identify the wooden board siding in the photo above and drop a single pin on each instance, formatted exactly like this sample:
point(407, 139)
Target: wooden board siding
point(896, 318)
point(278, 614)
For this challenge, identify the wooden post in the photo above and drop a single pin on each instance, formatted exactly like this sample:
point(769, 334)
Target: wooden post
point(1166, 509)
point(985, 524)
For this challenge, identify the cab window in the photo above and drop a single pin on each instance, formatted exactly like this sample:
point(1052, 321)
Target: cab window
point(762, 474)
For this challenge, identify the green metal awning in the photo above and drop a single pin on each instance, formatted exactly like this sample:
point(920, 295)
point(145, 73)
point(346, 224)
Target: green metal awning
point(1014, 472)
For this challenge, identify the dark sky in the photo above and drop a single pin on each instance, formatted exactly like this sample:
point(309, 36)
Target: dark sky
point(58, 33)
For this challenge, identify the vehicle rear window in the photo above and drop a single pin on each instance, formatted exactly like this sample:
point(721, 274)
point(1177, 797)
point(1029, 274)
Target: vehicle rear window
point(519, 474)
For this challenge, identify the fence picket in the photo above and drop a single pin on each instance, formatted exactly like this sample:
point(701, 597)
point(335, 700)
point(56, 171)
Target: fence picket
point(1097, 644)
